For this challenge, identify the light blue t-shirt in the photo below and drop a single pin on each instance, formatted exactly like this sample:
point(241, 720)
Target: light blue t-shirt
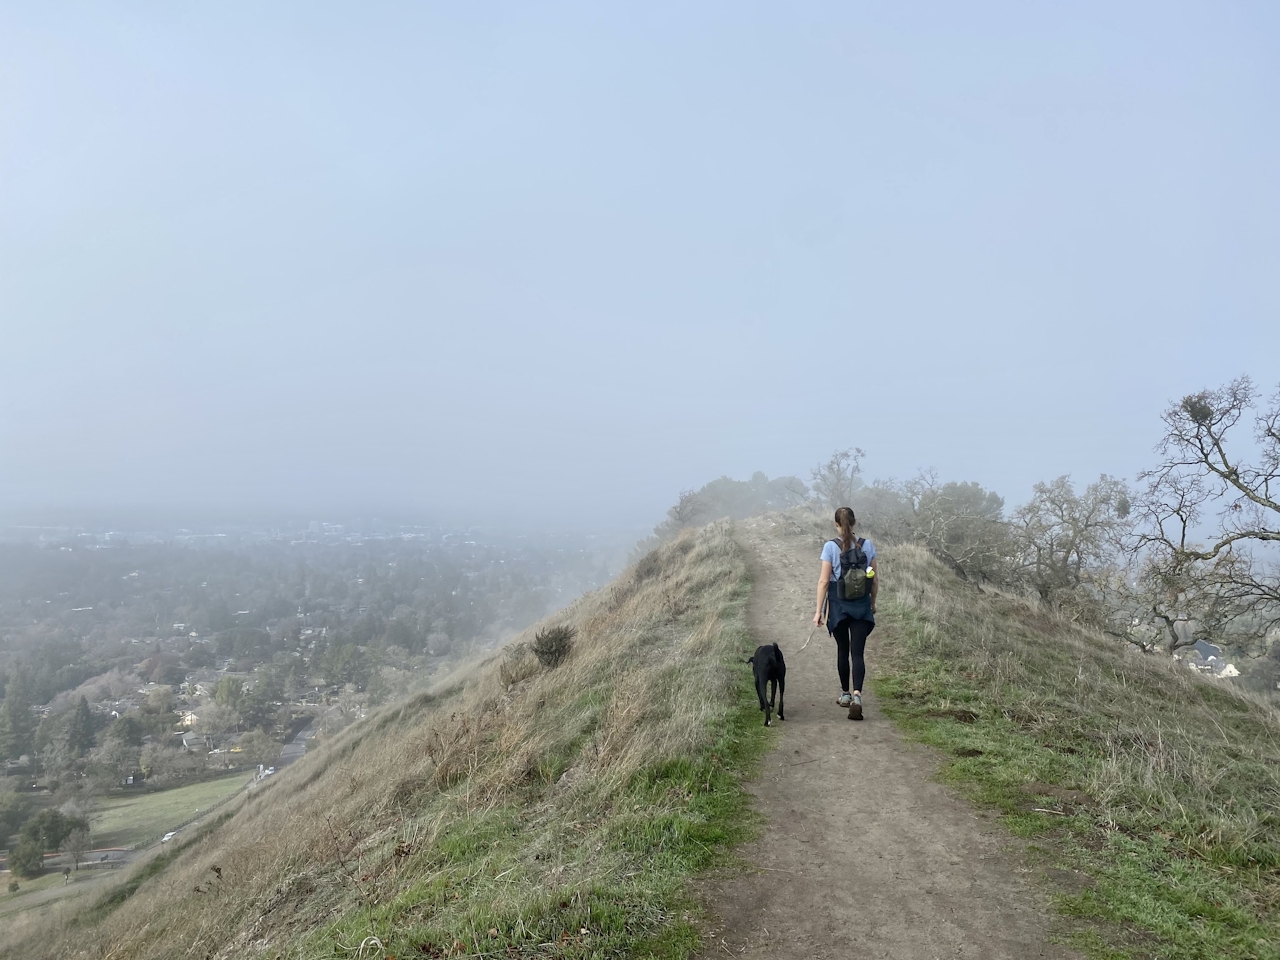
point(831, 553)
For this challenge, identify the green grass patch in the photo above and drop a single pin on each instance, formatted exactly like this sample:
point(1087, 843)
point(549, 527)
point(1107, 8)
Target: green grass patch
point(1154, 793)
point(9, 902)
point(141, 817)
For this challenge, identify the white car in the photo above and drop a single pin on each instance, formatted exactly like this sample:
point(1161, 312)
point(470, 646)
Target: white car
point(169, 836)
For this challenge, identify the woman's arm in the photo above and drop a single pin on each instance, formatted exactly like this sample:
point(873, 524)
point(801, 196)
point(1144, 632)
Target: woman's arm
point(875, 584)
point(824, 582)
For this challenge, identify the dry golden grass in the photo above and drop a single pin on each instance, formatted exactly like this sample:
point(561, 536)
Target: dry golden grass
point(475, 801)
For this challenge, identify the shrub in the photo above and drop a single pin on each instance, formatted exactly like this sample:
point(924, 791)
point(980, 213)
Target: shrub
point(553, 644)
point(519, 665)
point(13, 886)
point(650, 565)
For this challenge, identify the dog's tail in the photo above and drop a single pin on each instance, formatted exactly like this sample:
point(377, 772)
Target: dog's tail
point(749, 660)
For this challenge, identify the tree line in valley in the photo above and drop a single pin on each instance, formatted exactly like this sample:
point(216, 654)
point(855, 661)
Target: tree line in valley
point(1188, 552)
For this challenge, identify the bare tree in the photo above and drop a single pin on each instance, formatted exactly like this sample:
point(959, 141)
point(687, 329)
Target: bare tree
point(1063, 537)
point(835, 482)
point(962, 523)
point(78, 845)
point(1226, 588)
point(687, 511)
point(1170, 606)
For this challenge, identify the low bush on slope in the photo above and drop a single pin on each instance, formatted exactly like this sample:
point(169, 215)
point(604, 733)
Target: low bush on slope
point(1153, 793)
point(527, 812)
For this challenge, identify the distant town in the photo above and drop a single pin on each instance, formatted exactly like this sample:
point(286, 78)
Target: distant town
point(153, 660)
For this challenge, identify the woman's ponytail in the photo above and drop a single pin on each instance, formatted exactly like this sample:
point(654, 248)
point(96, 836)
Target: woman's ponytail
point(845, 520)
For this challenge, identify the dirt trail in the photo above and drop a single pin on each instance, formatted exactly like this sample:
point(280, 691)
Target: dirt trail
point(863, 855)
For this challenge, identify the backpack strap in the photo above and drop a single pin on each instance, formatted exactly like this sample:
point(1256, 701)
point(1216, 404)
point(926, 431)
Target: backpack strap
point(833, 566)
point(859, 544)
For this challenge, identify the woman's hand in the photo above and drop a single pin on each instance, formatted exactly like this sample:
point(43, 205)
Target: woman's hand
point(820, 601)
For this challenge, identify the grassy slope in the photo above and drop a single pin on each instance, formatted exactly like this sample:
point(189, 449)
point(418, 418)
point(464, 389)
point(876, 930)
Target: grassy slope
point(1152, 795)
point(520, 813)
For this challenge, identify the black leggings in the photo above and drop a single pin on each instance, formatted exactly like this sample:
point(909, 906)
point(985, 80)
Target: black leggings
point(851, 641)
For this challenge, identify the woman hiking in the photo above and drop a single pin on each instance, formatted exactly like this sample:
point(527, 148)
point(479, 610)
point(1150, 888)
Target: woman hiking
point(847, 590)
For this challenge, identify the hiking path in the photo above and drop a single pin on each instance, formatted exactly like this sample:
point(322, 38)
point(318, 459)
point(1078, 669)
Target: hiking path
point(863, 853)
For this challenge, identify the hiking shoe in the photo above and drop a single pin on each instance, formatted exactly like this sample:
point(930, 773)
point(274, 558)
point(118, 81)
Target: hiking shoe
point(855, 707)
point(845, 700)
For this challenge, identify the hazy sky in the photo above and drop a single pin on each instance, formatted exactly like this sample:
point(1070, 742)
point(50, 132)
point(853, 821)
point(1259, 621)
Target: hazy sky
point(554, 262)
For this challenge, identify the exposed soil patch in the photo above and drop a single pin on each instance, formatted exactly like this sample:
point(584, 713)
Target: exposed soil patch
point(1069, 881)
point(1063, 795)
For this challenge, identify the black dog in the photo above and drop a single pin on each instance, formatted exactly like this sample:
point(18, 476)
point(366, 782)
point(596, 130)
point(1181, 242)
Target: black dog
point(770, 668)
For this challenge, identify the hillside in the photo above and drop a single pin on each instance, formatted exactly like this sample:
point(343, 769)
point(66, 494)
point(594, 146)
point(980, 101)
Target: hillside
point(1074, 798)
point(1150, 794)
point(518, 808)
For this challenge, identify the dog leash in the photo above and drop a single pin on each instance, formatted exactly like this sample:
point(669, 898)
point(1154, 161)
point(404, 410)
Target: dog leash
point(811, 633)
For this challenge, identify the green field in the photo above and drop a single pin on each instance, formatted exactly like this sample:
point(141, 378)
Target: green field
point(11, 902)
point(129, 820)
point(34, 896)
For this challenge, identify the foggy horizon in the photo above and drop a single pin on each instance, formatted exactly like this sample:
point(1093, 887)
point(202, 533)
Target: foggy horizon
point(545, 267)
